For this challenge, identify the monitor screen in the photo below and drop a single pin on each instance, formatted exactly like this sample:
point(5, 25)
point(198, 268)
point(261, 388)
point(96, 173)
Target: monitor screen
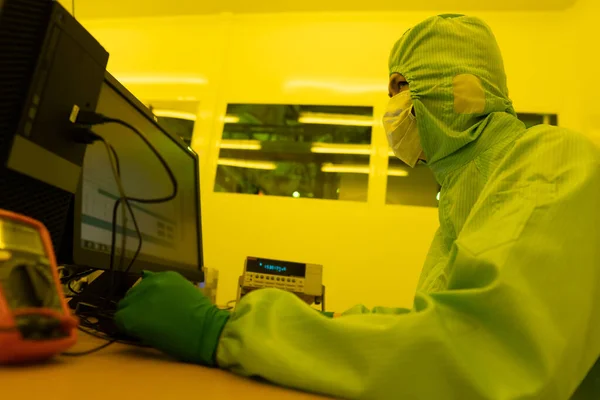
point(171, 234)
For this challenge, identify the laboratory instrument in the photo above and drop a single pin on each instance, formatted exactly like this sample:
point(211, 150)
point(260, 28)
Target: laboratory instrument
point(305, 280)
point(35, 322)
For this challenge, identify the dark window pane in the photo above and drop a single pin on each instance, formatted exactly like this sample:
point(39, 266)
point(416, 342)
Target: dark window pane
point(320, 152)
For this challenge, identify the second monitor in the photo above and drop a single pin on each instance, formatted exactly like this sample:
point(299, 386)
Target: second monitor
point(171, 231)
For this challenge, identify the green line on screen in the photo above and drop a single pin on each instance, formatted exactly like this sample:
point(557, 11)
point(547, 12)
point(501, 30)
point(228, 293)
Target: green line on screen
point(107, 226)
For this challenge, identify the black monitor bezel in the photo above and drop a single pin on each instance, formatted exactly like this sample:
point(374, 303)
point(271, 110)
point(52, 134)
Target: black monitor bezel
point(98, 260)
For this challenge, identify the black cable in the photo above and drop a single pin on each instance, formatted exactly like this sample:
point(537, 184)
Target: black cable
point(100, 335)
point(92, 333)
point(93, 350)
point(230, 307)
point(107, 120)
point(139, 246)
point(71, 289)
point(82, 274)
point(117, 176)
point(90, 119)
point(113, 158)
point(122, 196)
point(164, 163)
point(99, 119)
point(114, 153)
point(90, 351)
point(115, 165)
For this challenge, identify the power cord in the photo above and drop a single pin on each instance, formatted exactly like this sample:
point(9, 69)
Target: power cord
point(67, 279)
point(89, 119)
point(103, 346)
point(117, 174)
point(90, 351)
point(71, 288)
point(115, 165)
point(113, 158)
point(164, 163)
point(100, 335)
point(96, 119)
point(81, 274)
point(86, 120)
point(230, 305)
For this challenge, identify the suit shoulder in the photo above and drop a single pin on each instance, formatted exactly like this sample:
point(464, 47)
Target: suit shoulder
point(560, 144)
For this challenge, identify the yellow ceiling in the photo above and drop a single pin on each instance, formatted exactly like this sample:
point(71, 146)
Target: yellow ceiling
point(86, 9)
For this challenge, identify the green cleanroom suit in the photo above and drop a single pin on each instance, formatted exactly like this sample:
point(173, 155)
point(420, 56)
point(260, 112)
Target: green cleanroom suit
point(508, 304)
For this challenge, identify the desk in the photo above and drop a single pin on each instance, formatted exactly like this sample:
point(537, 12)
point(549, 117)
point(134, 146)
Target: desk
point(127, 372)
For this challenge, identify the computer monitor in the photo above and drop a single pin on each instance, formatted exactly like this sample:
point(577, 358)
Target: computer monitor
point(171, 231)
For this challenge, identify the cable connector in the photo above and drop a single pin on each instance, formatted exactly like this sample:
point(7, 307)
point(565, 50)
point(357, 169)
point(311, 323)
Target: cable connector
point(86, 118)
point(83, 121)
point(83, 134)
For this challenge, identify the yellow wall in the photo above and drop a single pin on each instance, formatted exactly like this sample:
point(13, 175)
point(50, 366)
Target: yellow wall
point(372, 253)
point(581, 84)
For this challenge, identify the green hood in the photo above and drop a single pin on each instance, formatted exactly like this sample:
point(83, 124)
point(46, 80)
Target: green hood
point(458, 84)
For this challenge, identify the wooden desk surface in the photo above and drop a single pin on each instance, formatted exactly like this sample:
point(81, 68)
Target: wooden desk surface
point(127, 372)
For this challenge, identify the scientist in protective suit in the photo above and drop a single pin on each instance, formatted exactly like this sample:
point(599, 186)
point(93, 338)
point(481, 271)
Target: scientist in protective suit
point(508, 305)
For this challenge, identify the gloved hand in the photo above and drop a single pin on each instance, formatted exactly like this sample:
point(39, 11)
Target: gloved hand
point(167, 312)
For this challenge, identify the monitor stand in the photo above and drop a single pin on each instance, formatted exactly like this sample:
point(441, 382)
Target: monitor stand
point(98, 301)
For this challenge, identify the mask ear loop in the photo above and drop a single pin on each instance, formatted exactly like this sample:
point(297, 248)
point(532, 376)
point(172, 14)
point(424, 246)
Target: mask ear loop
point(412, 114)
point(422, 157)
point(412, 118)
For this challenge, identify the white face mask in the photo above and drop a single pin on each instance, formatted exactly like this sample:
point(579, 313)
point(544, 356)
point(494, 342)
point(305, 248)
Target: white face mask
point(401, 128)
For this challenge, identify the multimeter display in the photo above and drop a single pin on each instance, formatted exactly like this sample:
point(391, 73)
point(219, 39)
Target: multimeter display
point(17, 236)
point(285, 268)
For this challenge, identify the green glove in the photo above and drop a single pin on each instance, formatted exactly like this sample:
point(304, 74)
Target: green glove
point(167, 312)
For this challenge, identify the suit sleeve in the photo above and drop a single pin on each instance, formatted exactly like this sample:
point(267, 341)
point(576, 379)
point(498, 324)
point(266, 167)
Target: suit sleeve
point(519, 317)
